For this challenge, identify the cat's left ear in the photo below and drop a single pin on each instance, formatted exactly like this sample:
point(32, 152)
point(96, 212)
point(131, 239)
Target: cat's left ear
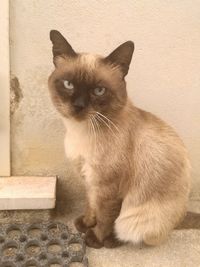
point(60, 45)
point(122, 56)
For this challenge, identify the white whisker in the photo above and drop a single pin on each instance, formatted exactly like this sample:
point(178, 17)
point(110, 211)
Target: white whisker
point(103, 121)
point(109, 120)
point(94, 131)
point(97, 125)
point(99, 133)
point(90, 128)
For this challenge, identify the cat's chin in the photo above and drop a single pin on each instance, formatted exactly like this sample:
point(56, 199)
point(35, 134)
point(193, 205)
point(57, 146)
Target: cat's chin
point(80, 118)
point(77, 117)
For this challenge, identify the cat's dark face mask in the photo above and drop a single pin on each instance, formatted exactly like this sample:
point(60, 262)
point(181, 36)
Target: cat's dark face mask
point(85, 85)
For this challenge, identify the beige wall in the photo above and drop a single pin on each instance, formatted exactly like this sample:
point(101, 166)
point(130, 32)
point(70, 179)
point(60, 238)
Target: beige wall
point(164, 77)
point(4, 90)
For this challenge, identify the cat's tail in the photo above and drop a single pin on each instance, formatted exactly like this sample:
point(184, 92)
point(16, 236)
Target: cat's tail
point(191, 221)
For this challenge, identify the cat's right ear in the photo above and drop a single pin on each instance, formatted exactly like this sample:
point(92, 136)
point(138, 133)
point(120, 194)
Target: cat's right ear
point(60, 46)
point(122, 56)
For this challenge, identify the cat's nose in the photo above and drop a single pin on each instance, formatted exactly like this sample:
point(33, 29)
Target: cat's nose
point(79, 103)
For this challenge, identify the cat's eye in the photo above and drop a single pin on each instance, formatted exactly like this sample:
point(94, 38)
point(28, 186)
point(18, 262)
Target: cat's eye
point(99, 91)
point(68, 85)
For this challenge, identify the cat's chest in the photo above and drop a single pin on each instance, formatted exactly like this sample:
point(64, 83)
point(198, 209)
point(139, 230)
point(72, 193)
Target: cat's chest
point(77, 141)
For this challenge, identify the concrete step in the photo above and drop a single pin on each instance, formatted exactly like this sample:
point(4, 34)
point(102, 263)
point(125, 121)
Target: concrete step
point(27, 193)
point(182, 249)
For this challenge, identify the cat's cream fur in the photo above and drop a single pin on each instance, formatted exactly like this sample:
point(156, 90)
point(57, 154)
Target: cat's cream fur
point(136, 168)
point(145, 215)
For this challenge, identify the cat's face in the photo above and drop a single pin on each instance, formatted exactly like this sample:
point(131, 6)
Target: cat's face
point(83, 84)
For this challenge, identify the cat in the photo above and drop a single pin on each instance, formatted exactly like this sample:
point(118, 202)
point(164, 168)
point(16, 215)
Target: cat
point(136, 168)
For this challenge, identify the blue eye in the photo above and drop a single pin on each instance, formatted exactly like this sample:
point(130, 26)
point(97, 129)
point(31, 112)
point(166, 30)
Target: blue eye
point(99, 91)
point(68, 85)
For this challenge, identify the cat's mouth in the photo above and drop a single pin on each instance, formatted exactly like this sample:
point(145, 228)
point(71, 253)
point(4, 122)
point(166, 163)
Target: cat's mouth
point(79, 114)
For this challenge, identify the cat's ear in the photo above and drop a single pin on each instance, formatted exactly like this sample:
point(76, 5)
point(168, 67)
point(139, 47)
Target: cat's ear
point(60, 45)
point(122, 56)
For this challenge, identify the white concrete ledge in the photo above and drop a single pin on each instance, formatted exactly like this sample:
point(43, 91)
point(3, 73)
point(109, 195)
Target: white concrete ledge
point(27, 193)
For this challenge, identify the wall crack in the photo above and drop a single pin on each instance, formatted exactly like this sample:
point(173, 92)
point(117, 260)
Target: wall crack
point(16, 95)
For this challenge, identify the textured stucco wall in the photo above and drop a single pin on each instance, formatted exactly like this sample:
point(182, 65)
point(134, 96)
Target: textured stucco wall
point(4, 90)
point(164, 77)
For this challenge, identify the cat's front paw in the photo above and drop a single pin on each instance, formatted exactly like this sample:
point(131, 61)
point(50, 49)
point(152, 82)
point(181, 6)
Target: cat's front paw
point(91, 240)
point(80, 225)
point(111, 242)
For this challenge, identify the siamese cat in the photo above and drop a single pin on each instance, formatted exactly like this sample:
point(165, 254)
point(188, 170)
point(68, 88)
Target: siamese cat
point(136, 168)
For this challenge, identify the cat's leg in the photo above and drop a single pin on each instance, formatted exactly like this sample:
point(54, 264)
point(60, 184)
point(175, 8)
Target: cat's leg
point(112, 241)
point(86, 220)
point(107, 209)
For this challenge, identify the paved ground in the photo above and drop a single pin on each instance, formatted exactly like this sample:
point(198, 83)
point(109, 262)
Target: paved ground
point(181, 250)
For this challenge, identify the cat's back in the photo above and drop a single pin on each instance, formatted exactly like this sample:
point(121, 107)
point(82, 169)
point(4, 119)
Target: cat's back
point(158, 148)
point(159, 186)
point(151, 128)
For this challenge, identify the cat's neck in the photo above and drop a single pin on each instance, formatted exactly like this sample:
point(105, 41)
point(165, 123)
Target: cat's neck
point(101, 122)
point(92, 141)
point(74, 125)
